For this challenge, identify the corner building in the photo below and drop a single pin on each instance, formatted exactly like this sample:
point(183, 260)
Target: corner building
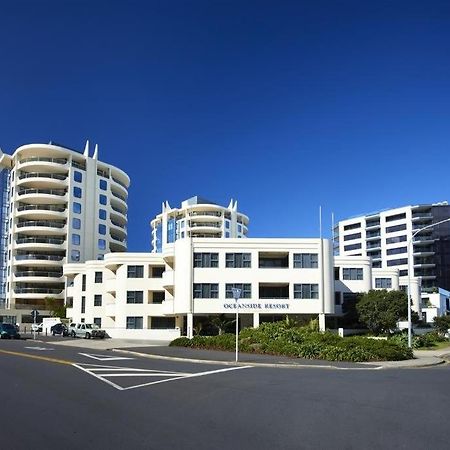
point(64, 206)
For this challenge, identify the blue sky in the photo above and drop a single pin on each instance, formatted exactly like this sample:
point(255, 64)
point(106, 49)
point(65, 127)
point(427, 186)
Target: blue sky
point(283, 105)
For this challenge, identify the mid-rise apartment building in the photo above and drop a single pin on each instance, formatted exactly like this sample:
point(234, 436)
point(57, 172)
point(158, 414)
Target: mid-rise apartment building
point(384, 236)
point(197, 217)
point(163, 295)
point(64, 206)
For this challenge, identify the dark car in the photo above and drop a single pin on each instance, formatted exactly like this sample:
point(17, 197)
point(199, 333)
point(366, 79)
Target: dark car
point(59, 328)
point(8, 331)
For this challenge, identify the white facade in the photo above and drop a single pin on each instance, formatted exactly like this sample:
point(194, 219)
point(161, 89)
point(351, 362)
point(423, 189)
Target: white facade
point(64, 207)
point(384, 237)
point(158, 295)
point(435, 304)
point(197, 217)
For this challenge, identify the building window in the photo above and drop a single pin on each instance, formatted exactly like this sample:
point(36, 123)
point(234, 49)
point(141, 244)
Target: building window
point(102, 229)
point(78, 176)
point(348, 248)
point(383, 283)
point(158, 297)
point(336, 273)
point(403, 273)
point(227, 224)
point(352, 226)
point(98, 277)
point(135, 296)
point(135, 272)
point(238, 260)
point(75, 255)
point(100, 257)
point(396, 251)
point(97, 300)
point(77, 192)
point(337, 298)
point(206, 290)
point(246, 290)
point(397, 262)
point(103, 185)
point(103, 199)
point(98, 321)
point(396, 217)
point(76, 223)
point(227, 234)
point(135, 323)
point(76, 239)
point(396, 239)
point(239, 227)
point(83, 304)
point(77, 207)
point(83, 283)
point(396, 228)
point(102, 244)
point(156, 271)
point(350, 237)
point(307, 291)
point(306, 261)
point(102, 214)
point(352, 273)
point(206, 260)
point(163, 323)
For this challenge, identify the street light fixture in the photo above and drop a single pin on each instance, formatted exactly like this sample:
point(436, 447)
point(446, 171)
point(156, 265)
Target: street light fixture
point(236, 296)
point(410, 269)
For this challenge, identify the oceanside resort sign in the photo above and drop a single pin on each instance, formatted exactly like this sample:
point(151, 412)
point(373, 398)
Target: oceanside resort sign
point(256, 306)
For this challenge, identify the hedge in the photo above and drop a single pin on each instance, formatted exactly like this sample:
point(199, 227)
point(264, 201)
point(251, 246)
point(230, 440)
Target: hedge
point(302, 342)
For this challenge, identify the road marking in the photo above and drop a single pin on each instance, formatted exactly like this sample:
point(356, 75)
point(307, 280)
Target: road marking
point(42, 358)
point(98, 371)
point(104, 357)
point(39, 348)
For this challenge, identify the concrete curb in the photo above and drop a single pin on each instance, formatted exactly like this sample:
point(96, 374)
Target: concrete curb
point(409, 364)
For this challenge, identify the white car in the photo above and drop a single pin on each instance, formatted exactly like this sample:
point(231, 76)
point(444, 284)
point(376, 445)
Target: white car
point(86, 330)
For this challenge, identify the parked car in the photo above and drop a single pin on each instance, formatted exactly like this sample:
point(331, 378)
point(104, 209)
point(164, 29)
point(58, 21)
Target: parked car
point(36, 327)
point(86, 330)
point(59, 328)
point(8, 331)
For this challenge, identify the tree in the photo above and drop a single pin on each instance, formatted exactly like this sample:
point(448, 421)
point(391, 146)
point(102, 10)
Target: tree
point(221, 323)
point(442, 324)
point(381, 310)
point(55, 306)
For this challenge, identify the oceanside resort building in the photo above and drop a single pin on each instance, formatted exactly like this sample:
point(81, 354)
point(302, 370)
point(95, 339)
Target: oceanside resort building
point(187, 279)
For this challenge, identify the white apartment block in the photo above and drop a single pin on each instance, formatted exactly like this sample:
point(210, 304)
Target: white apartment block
point(160, 295)
point(384, 237)
point(197, 217)
point(64, 207)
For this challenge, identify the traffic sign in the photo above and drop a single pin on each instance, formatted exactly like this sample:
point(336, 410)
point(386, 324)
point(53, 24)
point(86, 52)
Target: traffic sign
point(35, 314)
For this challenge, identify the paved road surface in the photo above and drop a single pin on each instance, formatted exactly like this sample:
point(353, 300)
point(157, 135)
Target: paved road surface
point(56, 397)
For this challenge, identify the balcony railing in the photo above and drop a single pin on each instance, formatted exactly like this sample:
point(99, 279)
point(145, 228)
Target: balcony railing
point(38, 273)
point(54, 176)
point(120, 211)
point(41, 208)
point(119, 182)
point(60, 192)
point(373, 245)
point(41, 223)
point(30, 256)
point(206, 224)
point(119, 225)
point(26, 290)
point(122, 197)
point(39, 240)
point(206, 213)
point(78, 165)
point(43, 159)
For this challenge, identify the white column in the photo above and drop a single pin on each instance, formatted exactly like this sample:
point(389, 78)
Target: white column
point(190, 325)
point(321, 322)
point(255, 320)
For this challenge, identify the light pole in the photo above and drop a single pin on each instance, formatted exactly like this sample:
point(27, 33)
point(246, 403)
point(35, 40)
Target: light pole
point(410, 269)
point(236, 296)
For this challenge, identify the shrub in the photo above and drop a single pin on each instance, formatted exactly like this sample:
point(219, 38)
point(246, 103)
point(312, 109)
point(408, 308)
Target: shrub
point(180, 342)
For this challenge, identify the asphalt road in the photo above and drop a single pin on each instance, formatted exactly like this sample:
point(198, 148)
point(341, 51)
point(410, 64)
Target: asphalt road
point(56, 397)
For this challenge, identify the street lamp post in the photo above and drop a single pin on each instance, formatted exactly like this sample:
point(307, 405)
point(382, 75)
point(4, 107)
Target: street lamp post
point(236, 296)
point(410, 269)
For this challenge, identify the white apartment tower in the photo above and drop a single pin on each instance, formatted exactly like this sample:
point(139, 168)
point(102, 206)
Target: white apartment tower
point(384, 236)
point(64, 207)
point(197, 217)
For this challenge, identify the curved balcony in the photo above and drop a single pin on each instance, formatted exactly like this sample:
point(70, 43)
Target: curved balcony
point(38, 292)
point(168, 279)
point(33, 276)
point(41, 180)
point(37, 259)
point(205, 227)
point(119, 186)
point(40, 211)
point(47, 196)
point(42, 164)
point(118, 204)
point(40, 242)
point(119, 230)
point(38, 227)
point(117, 246)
